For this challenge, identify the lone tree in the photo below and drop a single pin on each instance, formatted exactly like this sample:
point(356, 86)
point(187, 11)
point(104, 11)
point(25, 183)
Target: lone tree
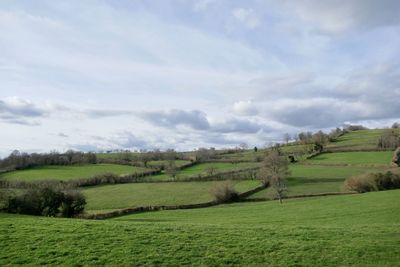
point(274, 170)
point(286, 137)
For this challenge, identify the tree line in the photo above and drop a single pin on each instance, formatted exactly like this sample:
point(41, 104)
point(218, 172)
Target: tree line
point(18, 160)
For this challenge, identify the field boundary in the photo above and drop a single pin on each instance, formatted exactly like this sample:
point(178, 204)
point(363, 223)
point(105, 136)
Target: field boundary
point(260, 199)
point(242, 198)
point(127, 211)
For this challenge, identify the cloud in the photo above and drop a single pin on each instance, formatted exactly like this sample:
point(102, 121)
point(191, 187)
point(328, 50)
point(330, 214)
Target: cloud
point(368, 93)
point(103, 113)
point(17, 110)
point(247, 16)
point(234, 125)
point(201, 5)
point(62, 135)
point(336, 16)
point(127, 140)
point(194, 119)
point(245, 108)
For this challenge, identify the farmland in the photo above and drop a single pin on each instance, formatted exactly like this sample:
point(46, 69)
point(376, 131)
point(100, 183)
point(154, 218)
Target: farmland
point(111, 197)
point(65, 173)
point(352, 229)
point(356, 230)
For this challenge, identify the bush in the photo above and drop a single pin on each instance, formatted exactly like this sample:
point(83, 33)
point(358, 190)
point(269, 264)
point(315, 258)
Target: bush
point(224, 192)
point(47, 201)
point(373, 182)
point(360, 183)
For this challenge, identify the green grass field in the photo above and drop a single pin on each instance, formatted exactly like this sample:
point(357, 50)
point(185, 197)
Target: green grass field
point(111, 197)
point(378, 158)
point(363, 139)
point(160, 163)
point(310, 179)
point(355, 230)
point(65, 173)
point(203, 170)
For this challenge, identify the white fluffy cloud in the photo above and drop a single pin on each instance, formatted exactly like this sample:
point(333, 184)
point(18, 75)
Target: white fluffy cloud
point(245, 108)
point(247, 16)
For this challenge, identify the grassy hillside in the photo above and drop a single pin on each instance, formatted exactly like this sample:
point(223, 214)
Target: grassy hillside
point(356, 230)
point(357, 140)
point(327, 172)
point(203, 169)
point(377, 158)
point(109, 197)
point(71, 172)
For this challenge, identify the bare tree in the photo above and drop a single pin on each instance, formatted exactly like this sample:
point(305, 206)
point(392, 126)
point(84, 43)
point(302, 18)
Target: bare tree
point(211, 170)
point(274, 170)
point(243, 146)
point(287, 137)
point(171, 169)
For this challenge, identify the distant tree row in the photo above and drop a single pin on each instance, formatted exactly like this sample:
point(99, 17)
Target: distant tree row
point(389, 139)
point(17, 160)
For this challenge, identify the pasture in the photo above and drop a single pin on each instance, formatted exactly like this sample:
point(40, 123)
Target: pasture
point(375, 158)
point(357, 140)
point(357, 230)
point(69, 172)
point(111, 197)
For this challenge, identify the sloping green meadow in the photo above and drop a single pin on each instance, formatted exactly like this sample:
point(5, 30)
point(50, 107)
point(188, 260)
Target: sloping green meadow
point(354, 230)
point(111, 197)
point(375, 158)
point(71, 172)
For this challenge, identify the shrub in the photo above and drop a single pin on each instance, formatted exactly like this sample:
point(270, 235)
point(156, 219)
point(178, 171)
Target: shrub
point(360, 183)
point(224, 192)
point(73, 204)
point(373, 182)
point(47, 201)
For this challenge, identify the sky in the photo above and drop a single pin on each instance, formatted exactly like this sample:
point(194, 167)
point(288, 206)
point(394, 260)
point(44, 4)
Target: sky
point(158, 74)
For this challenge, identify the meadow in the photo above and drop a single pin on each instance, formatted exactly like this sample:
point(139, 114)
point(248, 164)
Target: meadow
point(357, 140)
point(373, 158)
point(111, 197)
point(346, 230)
point(354, 230)
point(69, 172)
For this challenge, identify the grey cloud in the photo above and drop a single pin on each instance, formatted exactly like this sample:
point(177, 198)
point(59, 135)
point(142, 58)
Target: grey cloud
point(102, 113)
point(194, 119)
point(338, 16)
point(20, 111)
point(128, 140)
point(62, 135)
point(369, 93)
point(234, 125)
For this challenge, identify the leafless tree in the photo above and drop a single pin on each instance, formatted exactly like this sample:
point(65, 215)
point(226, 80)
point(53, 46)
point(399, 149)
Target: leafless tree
point(274, 170)
point(287, 137)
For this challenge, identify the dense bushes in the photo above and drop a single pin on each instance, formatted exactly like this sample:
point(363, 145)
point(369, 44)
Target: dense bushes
point(224, 192)
point(389, 139)
point(373, 182)
point(17, 160)
point(45, 200)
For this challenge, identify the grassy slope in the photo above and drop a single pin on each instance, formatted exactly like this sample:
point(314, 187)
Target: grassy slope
point(160, 163)
point(378, 158)
point(201, 169)
point(356, 230)
point(324, 173)
point(364, 139)
point(109, 197)
point(69, 172)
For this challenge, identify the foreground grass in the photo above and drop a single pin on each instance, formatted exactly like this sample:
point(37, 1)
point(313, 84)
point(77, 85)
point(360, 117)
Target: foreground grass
point(111, 197)
point(64, 173)
point(356, 230)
